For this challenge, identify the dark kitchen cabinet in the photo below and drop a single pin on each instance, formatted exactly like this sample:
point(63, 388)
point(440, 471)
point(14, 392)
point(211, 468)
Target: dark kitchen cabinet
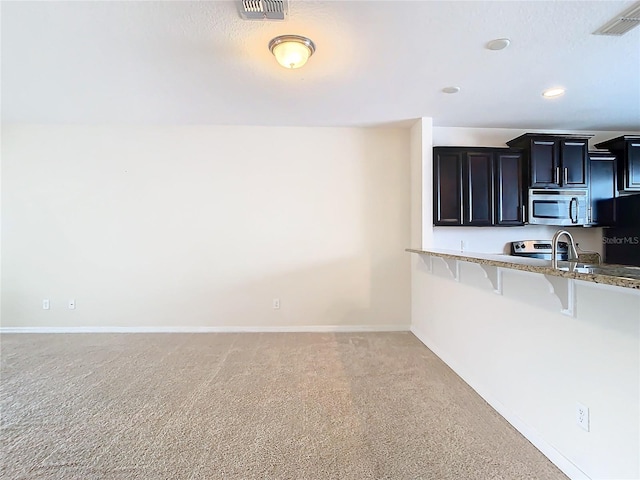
point(574, 162)
point(628, 212)
point(602, 188)
point(555, 160)
point(509, 192)
point(543, 161)
point(447, 187)
point(477, 186)
point(477, 189)
point(627, 151)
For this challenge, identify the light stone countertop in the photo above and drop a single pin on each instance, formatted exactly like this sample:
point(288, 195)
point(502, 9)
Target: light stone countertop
point(617, 275)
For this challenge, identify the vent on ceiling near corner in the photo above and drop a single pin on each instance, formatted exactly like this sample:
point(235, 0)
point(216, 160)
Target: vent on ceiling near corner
point(264, 9)
point(622, 23)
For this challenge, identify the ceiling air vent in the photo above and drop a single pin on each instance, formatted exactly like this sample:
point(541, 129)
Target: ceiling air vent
point(264, 9)
point(622, 23)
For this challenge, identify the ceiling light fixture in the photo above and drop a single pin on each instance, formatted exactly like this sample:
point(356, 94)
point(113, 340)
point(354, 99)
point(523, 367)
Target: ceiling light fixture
point(553, 92)
point(292, 51)
point(451, 89)
point(498, 44)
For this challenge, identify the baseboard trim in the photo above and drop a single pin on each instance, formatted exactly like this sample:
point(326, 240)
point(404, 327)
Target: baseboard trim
point(548, 450)
point(226, 329)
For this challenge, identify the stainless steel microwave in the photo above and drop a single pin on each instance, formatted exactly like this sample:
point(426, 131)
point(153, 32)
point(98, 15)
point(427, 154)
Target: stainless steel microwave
point(558, 207)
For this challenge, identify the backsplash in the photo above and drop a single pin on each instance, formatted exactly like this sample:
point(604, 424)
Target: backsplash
point(497, 240)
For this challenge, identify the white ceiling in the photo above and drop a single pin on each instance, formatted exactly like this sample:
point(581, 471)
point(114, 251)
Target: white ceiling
point(181, 62)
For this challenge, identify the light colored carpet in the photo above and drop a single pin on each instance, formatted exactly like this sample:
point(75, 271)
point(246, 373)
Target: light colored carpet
point(248, 406)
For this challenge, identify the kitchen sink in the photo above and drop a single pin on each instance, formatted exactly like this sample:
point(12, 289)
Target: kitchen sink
point(580, 267)
point(601, 268)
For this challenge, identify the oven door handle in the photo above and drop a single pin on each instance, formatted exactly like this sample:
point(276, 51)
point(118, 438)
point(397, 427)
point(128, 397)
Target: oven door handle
point(574, 199)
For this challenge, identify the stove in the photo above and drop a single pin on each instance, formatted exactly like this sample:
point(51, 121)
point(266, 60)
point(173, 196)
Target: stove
point(539, 249)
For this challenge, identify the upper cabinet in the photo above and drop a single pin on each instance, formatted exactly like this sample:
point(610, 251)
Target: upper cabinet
point(627, 151)
point(485, 186)
point(477, 186)
point(477, 189)
point(555, 160)
point(602, 188)
point(447, 187)
point(509, 192)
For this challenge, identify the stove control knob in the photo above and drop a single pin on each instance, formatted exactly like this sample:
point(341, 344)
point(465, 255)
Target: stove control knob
point(517, 247)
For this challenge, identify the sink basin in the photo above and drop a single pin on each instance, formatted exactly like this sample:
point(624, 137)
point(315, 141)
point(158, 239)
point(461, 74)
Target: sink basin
point(596, 268)
point(579, 267)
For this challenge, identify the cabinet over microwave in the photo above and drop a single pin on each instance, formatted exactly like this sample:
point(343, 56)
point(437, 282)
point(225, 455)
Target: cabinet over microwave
point(558, 207)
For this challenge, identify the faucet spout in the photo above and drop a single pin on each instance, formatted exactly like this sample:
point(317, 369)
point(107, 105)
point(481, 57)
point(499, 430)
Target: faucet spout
point(573, 252)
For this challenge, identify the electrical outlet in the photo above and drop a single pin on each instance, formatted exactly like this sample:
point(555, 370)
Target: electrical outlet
point(276, 303)
point(582, 416)
point(45, 304)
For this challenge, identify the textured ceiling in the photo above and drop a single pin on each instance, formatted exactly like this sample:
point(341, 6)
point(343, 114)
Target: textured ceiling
point(177, 63)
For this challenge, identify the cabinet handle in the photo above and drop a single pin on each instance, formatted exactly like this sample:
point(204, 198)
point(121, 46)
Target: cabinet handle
point(556, 178)
point(524, 220)
point(566, 176)
point(574, 199)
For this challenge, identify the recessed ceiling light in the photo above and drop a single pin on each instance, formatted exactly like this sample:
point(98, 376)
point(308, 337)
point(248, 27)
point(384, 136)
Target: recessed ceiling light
point(451, 89)
point(553, 92)
point(498, 44)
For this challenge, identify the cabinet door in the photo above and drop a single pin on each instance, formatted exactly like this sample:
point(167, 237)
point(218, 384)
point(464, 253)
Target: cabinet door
point(632, 167)
point(543, 163)
point(574, 168)
point(602, 189)
point(447, 188)
point(477, 192)
point(508, 189)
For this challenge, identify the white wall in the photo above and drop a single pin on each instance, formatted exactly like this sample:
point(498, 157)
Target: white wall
point(204, 226)
point(534, 364)
point(498, 240)
point(421, 181)
point(529, 361)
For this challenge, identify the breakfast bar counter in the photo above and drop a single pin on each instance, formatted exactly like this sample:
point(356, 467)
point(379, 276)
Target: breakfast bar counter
point(607, 274)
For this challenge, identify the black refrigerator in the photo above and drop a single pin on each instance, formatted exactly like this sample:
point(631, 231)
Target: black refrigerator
point(622, 242)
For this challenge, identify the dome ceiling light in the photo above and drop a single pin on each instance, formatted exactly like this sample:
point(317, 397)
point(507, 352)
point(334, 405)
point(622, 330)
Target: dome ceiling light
point(292, 51)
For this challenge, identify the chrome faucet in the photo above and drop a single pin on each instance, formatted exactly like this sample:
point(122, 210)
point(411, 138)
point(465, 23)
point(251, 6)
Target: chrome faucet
point(573, 253)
